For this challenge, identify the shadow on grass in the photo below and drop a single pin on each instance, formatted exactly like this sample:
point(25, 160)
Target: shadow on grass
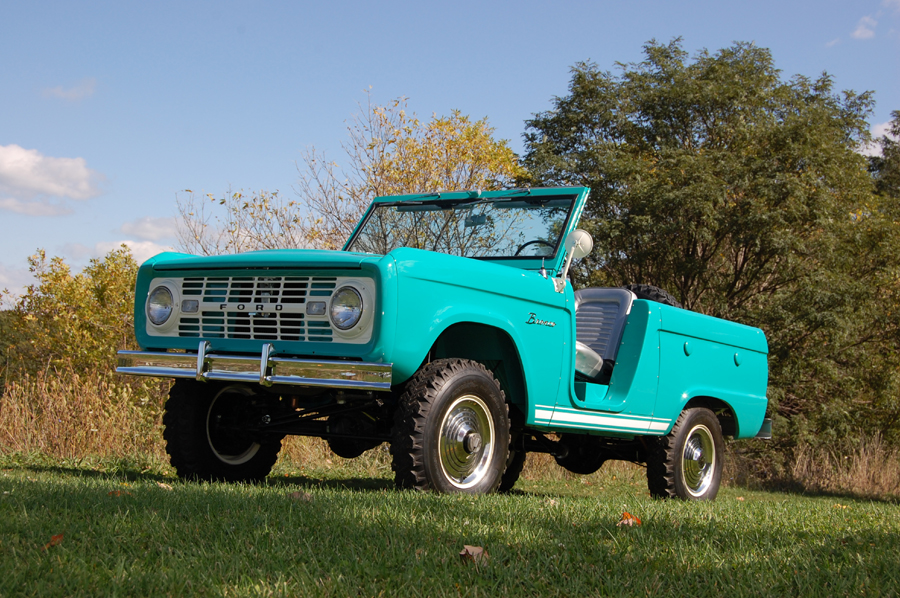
point(798, 489)
point(106, 473)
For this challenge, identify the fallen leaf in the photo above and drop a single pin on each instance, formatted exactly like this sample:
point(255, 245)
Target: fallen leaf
point(304, 496)
point(473, 554)
point(119, 493)
point(163, 486)
point(740, 498)
point(552, 502)
point(628, 519)
point(54, 541)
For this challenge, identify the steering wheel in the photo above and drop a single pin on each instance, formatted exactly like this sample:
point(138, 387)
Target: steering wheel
point(538, 241)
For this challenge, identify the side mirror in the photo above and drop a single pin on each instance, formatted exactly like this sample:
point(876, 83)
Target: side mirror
point(578, 244)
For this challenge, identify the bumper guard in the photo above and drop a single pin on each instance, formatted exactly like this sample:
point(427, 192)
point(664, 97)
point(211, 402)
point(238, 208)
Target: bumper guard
point(265, 369)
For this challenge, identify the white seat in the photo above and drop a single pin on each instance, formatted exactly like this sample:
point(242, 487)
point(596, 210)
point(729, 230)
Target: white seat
point(600, 316)
point(587, 361)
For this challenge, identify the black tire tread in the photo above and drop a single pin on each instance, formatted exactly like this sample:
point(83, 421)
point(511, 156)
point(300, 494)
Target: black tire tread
point(514, 466)
point(663, 453)
point(184, 426)
point(412, 411)
point(652, 293)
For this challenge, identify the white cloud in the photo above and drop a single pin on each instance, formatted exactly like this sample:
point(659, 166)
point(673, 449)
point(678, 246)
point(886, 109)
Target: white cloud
point(881, 129)
point(79, 91)
point(895, 4)
point(33, 208)
point(28, 178)
point(28, 173)
point(150, 229)
point(878, 131)
point(865, 29)
point(833, 42)
point(141, 250)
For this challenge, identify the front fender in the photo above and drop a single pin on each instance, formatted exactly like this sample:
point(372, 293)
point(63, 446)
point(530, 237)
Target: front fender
point(437, 291)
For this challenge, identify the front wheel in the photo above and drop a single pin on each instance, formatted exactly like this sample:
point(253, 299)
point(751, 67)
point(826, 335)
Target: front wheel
point(206, 433)
point(687, 463)
point(451, 429)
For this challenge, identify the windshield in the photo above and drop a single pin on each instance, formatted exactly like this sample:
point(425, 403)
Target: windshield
point(493, 228)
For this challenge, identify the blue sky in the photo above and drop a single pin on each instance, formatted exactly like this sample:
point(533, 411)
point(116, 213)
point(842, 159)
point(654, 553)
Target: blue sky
point(108, 110)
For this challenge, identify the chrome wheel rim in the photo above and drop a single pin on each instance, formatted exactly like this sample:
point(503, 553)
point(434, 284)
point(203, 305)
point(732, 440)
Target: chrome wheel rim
point(466, 441)
point(698, 461)
point(227, 448)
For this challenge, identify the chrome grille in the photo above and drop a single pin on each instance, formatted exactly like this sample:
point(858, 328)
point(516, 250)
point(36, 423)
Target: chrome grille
point(257, 289)
point(255, 308)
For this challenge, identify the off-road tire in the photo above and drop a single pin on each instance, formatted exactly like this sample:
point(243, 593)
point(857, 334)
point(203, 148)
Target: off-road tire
point(189, 441)
point(515, 463)
point(434, 398)
point(667, 462)
point(652, 293)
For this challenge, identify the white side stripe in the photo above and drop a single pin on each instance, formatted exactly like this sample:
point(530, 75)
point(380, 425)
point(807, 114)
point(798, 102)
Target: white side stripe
point(606, 421)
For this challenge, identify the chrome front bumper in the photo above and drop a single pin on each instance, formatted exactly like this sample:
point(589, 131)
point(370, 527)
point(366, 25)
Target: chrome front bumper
point(265, 369)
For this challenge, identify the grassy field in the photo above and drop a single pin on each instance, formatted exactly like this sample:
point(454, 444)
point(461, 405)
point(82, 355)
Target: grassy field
point(107, 529)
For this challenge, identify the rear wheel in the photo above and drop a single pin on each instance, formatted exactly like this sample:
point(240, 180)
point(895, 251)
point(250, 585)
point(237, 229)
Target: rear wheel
point(451, 429)
point(207, 437)
point(687, 463)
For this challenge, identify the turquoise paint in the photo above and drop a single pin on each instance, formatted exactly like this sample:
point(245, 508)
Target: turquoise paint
point(632, 390)
point(668, 356)
point(382, 270)
point(659, 369)
point(272, 259)
point(485, 293)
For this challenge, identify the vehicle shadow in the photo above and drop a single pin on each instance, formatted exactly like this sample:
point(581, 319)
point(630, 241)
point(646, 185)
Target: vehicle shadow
point(794, 489)
point(115, 473)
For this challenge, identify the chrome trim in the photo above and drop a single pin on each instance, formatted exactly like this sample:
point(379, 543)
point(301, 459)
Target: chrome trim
point(265, 369)
point(201, 359)
point(265, 363)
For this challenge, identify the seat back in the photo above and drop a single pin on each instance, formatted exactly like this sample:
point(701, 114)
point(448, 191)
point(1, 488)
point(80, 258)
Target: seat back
point(600, 315)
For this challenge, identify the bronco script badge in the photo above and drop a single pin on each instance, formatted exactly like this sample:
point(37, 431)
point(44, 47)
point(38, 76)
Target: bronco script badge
point(533, 319)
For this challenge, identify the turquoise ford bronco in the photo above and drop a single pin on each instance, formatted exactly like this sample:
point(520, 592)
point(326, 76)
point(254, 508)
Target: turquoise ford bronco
point(446, 327)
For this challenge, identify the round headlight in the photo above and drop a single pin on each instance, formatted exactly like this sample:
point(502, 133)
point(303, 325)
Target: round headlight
point(346, 308)
point(160, 305)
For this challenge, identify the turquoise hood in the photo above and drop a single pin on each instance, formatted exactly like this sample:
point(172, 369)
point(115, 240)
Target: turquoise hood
point(266, 259)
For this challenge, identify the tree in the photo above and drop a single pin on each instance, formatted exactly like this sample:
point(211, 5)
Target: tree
point(72, 321)
point(745, 196)
point(389, 152)
point(886, 167)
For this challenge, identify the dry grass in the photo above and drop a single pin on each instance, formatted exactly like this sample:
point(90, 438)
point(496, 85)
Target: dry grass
point(63, 416)
point(871, 470)
point(66, 416)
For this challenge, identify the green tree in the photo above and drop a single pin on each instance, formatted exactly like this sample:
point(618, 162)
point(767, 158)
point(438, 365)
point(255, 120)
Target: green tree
point(886, 166)
point(72, 321)
point(744, 195)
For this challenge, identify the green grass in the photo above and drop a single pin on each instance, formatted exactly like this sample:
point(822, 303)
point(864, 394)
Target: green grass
point(359, 536)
